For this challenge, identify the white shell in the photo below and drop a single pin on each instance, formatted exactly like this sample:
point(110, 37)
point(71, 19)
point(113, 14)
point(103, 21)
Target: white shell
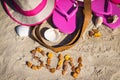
point(23, 31)
point(52, 34)
point(98, 21)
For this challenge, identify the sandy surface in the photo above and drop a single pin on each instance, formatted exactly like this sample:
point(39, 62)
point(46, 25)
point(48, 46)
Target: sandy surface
point(101, 56)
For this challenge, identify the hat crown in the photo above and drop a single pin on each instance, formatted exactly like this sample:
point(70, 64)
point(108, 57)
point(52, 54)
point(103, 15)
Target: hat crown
point(28, 4)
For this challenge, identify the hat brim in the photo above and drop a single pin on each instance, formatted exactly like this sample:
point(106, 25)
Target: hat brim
point(29, 20)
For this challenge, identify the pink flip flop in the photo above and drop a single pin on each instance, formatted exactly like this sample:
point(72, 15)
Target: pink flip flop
point(106, 9)
point(64, 16)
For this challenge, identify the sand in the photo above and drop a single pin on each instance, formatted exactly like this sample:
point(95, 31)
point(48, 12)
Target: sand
point(101, 56)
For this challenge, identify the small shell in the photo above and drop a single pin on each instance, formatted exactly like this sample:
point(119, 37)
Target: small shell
point(65, 62)
point(43, 53)
point(91, 33)
point(34, 67)
point(41, 64)
point(77, 70)
point(38, 67)
point(71, 59)
point(115, 18)
point(98, 21)
point(95, 30)
point(67, 57)
point(52, 34)
point(64, 72)
point(23, 31)
point(60, 62)
point(38, 49)
point(60, 57)
point(52, 70)
point(79, 60)
point(29, 64)
point(112, 19)
point(97, 34)
point(80, 65)
point(48, 61)
point(58, 67)
point(48, 66)
point(75, 75)
point(33, 52)
point(65, 67)
point(36, 58)
point(71, 64)
point(50, 55)
point(73, 68)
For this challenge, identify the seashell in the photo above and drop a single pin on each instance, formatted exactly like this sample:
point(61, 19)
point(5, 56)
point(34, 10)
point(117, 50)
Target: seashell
point(36, 58)
point(73, 68)
point(48, 61)
point(52, 34)
point(43, 53)
point(38, 67)
point(91, 33)
point(71, 64)
point(42, 65)
point(60, 57)
point(65, 67)
point(58, 67)
point(38, 49)
point(98, 21)
point(115, 18)
point(67, 57)
point(33, 52)
point(71, 59)
point(60, 62)
point(79, 60)
point(52, 70)
point(29, 64)
point(80, 65)
point(112, 19)
point(65, 62)
point(48, 66)
point(64, 72)
point(34, 67)
point(77, 70)
point(97, 34)
point(50, 55)
point(75, 75)
point(95, 30)
point(23, 31)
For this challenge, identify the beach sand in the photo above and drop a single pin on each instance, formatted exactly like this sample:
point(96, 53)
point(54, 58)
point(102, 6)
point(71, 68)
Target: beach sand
point(101, 56)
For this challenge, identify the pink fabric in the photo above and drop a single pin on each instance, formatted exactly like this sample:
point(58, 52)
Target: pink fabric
point(31, 12)
point(37, 23)
point(64, 17)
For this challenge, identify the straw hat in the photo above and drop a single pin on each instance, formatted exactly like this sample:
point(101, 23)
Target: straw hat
point(29, 12)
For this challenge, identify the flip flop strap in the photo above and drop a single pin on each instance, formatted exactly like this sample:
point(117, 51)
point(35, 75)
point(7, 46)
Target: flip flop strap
point(110, 7)
point(110, 11)
point(67, 16)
